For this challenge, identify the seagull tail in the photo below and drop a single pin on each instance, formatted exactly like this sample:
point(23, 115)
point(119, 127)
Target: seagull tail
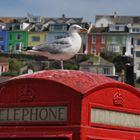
point(35, 48)
point(38, 53)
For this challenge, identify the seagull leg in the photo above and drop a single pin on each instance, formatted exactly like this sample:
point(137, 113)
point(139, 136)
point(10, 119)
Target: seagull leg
point(62, 65)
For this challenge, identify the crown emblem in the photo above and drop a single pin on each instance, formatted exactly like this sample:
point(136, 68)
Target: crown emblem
point(118, 98)
point(26, 94)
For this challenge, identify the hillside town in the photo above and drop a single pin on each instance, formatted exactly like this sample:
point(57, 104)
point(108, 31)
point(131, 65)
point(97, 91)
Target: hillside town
point(110, 47)
point(69, 70)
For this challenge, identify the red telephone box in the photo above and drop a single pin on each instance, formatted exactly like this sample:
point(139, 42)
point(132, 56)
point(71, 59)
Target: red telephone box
point(68, 105)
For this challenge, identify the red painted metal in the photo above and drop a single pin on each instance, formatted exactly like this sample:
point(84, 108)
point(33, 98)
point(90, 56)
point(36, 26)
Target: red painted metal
point(78, 80)
point(79, 92)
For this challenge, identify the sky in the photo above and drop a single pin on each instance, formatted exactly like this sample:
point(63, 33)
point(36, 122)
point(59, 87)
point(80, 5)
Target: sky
point(86, 9)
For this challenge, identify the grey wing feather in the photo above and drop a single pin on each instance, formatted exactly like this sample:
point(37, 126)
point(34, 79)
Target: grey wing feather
point(55, 47)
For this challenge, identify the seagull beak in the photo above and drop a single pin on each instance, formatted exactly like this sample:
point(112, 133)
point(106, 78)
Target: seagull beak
point(83, 30)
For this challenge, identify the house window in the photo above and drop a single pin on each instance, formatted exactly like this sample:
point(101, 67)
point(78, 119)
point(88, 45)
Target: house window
point(114, 48)
point(114, 39)
point(106, 70)
point(132, 41)
point(35, 19)
point(103, 39)
point(17, 27)
point(59, 36)
point(124, 40)
point(102, 25)
point(65, 28)
point(132, 50)
point(35, 38)
point(94, 39)
point(116, 28)
point(2, 47)
point(137, 30)
point(56, 28)
point(137, 53)
point(138, 66)
point(1, 38)
point(19, 36)
point(138, 42)
point(18, 46)
point(10, 37)
point(133, 30)
point(51, 28)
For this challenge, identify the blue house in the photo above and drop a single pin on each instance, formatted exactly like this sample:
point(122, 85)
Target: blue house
point(3, 41)
point(57, 31)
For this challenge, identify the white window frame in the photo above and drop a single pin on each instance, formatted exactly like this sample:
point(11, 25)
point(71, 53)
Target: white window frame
point(103, 39)
point(114, 39)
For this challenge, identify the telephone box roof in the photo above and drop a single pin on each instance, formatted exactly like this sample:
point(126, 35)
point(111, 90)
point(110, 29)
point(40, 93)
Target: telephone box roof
point(80, 81)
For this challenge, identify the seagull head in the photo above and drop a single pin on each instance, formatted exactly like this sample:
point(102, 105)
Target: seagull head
point(77, 28)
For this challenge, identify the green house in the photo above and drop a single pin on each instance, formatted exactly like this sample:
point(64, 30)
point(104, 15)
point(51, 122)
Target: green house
point(17, 40)
point(116, 43)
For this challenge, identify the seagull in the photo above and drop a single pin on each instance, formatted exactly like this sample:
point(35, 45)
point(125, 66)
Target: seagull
point(64, 48)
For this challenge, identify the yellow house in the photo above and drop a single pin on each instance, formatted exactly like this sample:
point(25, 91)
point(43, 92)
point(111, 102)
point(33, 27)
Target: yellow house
point(36, 38)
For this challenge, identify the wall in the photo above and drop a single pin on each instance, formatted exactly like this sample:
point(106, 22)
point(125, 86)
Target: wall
point(13, 40)
point(55, 35)
point(103, 22)
point(4, 42)
point(41, 35)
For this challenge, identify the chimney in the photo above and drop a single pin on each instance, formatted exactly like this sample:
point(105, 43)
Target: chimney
point(115, 14)
point(63, 16)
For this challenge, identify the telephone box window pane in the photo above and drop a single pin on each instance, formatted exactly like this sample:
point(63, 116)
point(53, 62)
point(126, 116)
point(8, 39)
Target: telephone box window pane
point(115, 118)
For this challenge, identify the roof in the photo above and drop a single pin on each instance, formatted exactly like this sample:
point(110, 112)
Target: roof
point(77, 80)
point(99, 29)
point(102, 62)
point(6, 19)
point(120, 19)
point(64, 20)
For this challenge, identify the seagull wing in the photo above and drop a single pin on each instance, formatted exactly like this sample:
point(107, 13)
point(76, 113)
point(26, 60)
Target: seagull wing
point(58, 46)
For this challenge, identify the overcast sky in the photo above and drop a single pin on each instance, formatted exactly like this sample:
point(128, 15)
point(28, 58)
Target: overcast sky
point(87, 9)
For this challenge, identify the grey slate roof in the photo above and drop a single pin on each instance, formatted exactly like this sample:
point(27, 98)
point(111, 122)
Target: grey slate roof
point(103, 62)
point(120, 19)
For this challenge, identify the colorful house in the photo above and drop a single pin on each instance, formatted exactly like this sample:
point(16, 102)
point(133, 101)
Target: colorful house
point(134, 40)
point(36, 38)
point(109, 39)
point(4, 67)
point(100, 66)
point(57, 31)
point(3, 41)
point(116, 43)
point(17, 41)
point(96, 40)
